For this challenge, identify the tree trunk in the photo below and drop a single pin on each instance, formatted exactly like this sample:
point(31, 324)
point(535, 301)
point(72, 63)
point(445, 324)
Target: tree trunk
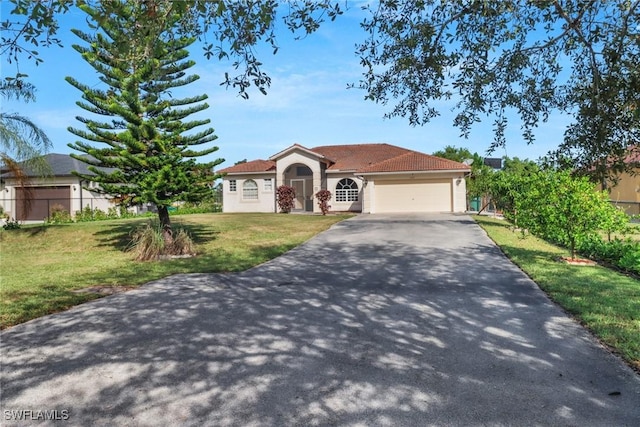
point(165, 224)
point(573, 248)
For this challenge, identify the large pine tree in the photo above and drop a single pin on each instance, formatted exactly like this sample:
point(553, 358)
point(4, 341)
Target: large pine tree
point(146, 151)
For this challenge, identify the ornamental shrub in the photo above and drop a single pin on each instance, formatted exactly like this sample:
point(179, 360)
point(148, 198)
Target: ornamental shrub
point(285, 197)
point(323, 197)
point(148, 243)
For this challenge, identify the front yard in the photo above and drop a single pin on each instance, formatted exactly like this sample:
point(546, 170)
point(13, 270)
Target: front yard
point(43, 265)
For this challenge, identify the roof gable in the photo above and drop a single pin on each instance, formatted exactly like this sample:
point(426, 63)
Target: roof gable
point(295, 147)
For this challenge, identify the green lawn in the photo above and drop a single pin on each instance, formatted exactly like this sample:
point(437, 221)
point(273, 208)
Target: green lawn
point(41, 265)
point(606, 302)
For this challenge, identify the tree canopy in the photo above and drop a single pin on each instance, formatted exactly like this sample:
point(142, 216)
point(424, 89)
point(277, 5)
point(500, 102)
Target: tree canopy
point(494, 58)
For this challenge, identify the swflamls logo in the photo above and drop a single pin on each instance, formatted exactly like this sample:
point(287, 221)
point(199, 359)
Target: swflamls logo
point(36, 415)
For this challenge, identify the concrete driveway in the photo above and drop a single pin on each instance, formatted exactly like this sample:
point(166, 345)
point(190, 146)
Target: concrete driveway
point(380, 321)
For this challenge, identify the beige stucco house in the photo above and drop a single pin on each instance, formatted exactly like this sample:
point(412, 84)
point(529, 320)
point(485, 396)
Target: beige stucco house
point(369, 178)
point(59, 189)
point(625, 191)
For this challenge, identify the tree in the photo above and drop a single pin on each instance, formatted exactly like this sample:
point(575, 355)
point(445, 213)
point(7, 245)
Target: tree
point(511, 185)
point(566, 209)
point(22, 142)
point(147, 150)
point(229, 29)
point(478, 181)
point(498, 57)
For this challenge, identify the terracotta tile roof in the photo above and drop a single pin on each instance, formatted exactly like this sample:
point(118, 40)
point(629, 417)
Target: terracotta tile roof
point(634, 155)
point(358, 156)
point(414, 161)
point(254, 166)
point(363, 158)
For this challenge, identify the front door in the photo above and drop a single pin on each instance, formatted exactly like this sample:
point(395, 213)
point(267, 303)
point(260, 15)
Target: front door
point(298, 186)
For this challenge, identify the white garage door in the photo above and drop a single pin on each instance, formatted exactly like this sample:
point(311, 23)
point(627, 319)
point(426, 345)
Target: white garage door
point(413, 196)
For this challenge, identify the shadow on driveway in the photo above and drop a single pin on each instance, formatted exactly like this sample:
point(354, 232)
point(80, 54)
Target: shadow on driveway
point(381, 320)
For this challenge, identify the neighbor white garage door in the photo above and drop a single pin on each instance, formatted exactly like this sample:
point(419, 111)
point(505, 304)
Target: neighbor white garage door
point(413, 196)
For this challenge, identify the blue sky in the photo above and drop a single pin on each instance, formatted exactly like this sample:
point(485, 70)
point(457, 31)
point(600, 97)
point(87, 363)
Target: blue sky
point(308, 102)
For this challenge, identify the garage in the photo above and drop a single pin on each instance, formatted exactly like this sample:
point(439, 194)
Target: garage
point(44, 199)
point(413, 196)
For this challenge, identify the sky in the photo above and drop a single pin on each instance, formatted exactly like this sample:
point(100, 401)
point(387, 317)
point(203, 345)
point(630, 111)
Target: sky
point(308, 102)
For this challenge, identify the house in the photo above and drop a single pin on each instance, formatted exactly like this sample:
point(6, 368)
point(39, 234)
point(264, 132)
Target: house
point(369, 178)
point(59, 189)
point(625, 190)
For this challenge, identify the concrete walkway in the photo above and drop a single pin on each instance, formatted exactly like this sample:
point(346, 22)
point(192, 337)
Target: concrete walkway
point(380, 321)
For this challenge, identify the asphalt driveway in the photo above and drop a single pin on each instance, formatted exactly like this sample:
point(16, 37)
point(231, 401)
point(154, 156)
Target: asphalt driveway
point(380, 321)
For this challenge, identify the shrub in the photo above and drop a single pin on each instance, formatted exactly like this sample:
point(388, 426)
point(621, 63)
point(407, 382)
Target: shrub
point(59, 215)
point(285, 197)
point(11, 224)
point(208, 206)
point(323, 197)
point(147, 243)
point(630, 261)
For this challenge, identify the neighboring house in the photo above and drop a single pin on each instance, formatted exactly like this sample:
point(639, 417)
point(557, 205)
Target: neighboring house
point(59, 189)
point(626, 191)
point(370, 178)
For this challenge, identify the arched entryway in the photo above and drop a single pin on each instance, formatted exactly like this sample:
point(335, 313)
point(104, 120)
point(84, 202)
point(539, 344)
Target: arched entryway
point(300, 177)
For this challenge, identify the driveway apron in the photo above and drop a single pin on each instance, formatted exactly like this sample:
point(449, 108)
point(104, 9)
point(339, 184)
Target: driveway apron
point(383, 320)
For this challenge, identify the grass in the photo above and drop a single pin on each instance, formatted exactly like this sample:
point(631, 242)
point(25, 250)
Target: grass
point(41, 266)
point(603, 300)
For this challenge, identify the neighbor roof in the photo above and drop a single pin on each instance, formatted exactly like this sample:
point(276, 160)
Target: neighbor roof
point(59, 164)
point(360, 158)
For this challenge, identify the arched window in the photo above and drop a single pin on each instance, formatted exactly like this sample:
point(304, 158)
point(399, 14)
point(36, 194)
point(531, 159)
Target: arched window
point(346, 190)
point(250, 190)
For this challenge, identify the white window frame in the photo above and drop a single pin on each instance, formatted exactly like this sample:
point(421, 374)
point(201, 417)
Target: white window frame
point(233, 185)
point(268, 185)
point(347, 190)
point(249, 193)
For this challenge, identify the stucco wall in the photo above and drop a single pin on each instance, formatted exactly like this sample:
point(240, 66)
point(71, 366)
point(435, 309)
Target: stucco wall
point(234, 202)
point(627, 189)
point(332, 181)
point(78, 196)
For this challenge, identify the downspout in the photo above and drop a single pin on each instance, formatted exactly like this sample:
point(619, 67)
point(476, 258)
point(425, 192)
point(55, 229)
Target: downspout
point(80, 187)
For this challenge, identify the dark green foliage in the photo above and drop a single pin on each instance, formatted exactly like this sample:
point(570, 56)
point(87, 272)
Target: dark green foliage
point(497, 58)
point(323, 197)
point(146, 151)
point(11, 224)
point(285, 197)
point(622, 253)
